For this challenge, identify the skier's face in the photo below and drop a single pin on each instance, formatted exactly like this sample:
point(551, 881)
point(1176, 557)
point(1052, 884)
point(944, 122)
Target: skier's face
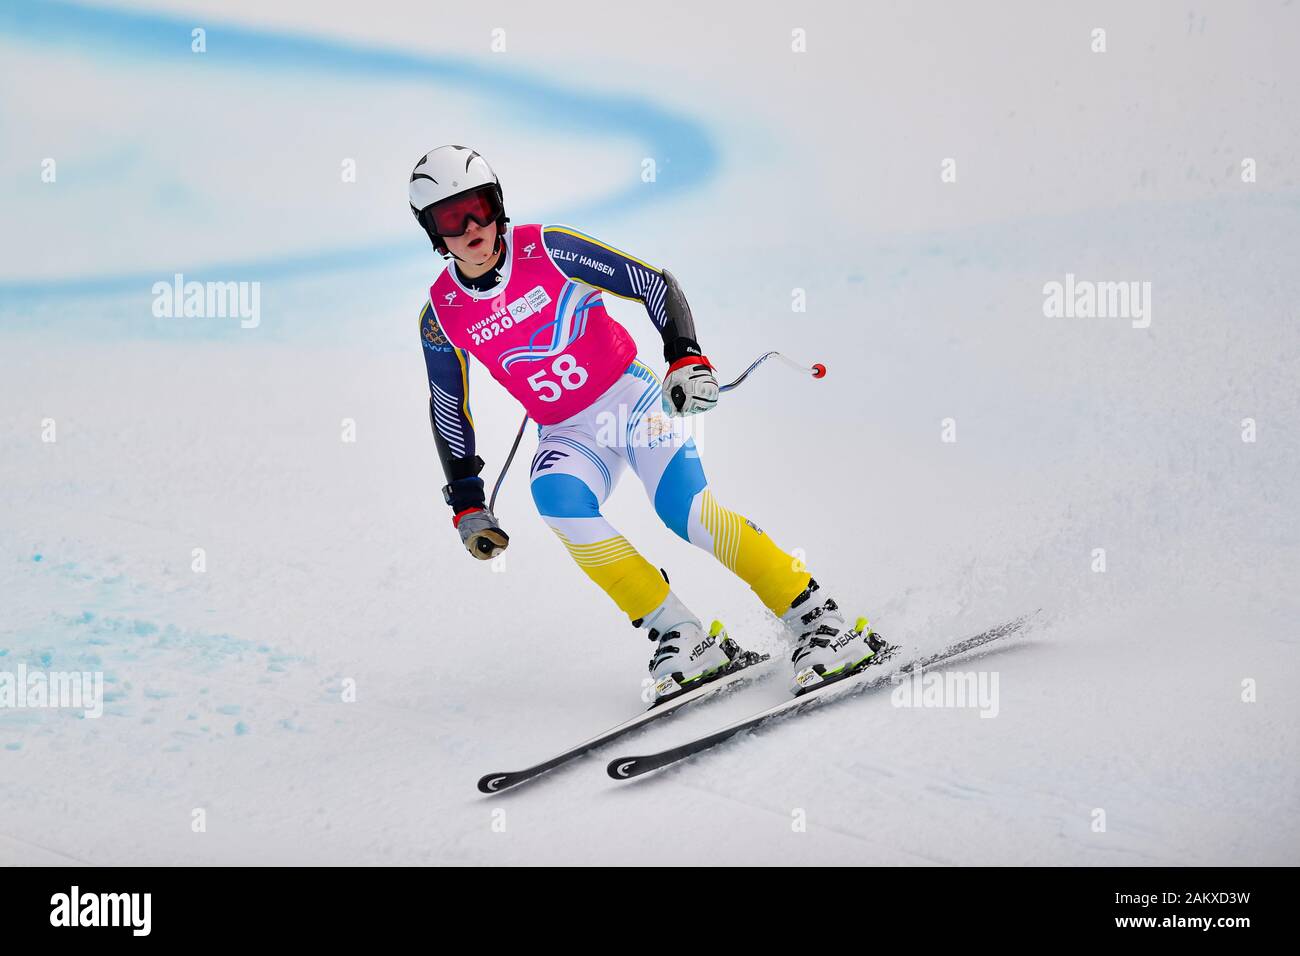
point(476, 246)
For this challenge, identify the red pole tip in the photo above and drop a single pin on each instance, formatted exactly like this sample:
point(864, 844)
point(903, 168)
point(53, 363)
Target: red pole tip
point(819, 370)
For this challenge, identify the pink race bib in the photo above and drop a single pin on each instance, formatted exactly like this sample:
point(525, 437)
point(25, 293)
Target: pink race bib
point(545, 337)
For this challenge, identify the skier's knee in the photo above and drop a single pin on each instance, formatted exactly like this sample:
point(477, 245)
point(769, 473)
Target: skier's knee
point(682, 480)
point(564, 496)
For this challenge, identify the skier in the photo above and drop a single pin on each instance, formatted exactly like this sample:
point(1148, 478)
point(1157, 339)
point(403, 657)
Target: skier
point(525, 300)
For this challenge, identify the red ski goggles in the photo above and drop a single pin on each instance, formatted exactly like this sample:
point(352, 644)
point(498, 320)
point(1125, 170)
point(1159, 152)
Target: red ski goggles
point(451, 216)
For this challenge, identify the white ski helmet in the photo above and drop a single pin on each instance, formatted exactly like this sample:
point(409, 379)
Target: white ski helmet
point(446, 173)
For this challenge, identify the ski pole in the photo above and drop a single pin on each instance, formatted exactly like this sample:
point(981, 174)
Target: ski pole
point(816, 370)
point(509, 458)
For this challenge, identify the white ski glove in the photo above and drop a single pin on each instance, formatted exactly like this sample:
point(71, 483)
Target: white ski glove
point(690, 387)
point(480, 533)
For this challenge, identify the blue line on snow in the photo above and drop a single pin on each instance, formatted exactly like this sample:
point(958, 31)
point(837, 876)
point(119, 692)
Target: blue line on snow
point(143, 34)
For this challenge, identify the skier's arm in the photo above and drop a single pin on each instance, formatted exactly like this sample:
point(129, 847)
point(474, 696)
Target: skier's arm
point(453, 434)
point(589, 260)
point(449, 416)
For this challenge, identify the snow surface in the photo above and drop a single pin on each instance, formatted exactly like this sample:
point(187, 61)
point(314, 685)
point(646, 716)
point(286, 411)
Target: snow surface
point(330, 561)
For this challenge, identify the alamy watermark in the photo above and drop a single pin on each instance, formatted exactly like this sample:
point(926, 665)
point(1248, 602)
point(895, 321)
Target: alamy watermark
point(208, 300)
point(1085, 299)
point(625, 427)
point(75, 908)
point(974, 689)
point(53, 690)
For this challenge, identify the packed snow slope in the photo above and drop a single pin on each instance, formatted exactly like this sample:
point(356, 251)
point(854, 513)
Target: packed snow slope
point(1149, 718)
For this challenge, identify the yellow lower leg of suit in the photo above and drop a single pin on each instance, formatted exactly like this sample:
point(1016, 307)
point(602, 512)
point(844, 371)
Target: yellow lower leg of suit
point(634, 584)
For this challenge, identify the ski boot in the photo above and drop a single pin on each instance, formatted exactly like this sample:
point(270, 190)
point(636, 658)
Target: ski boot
point(826, 648)
point(685, 656)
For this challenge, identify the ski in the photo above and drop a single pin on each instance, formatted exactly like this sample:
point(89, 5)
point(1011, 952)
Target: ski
point(624, 768)
point(740, 669)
